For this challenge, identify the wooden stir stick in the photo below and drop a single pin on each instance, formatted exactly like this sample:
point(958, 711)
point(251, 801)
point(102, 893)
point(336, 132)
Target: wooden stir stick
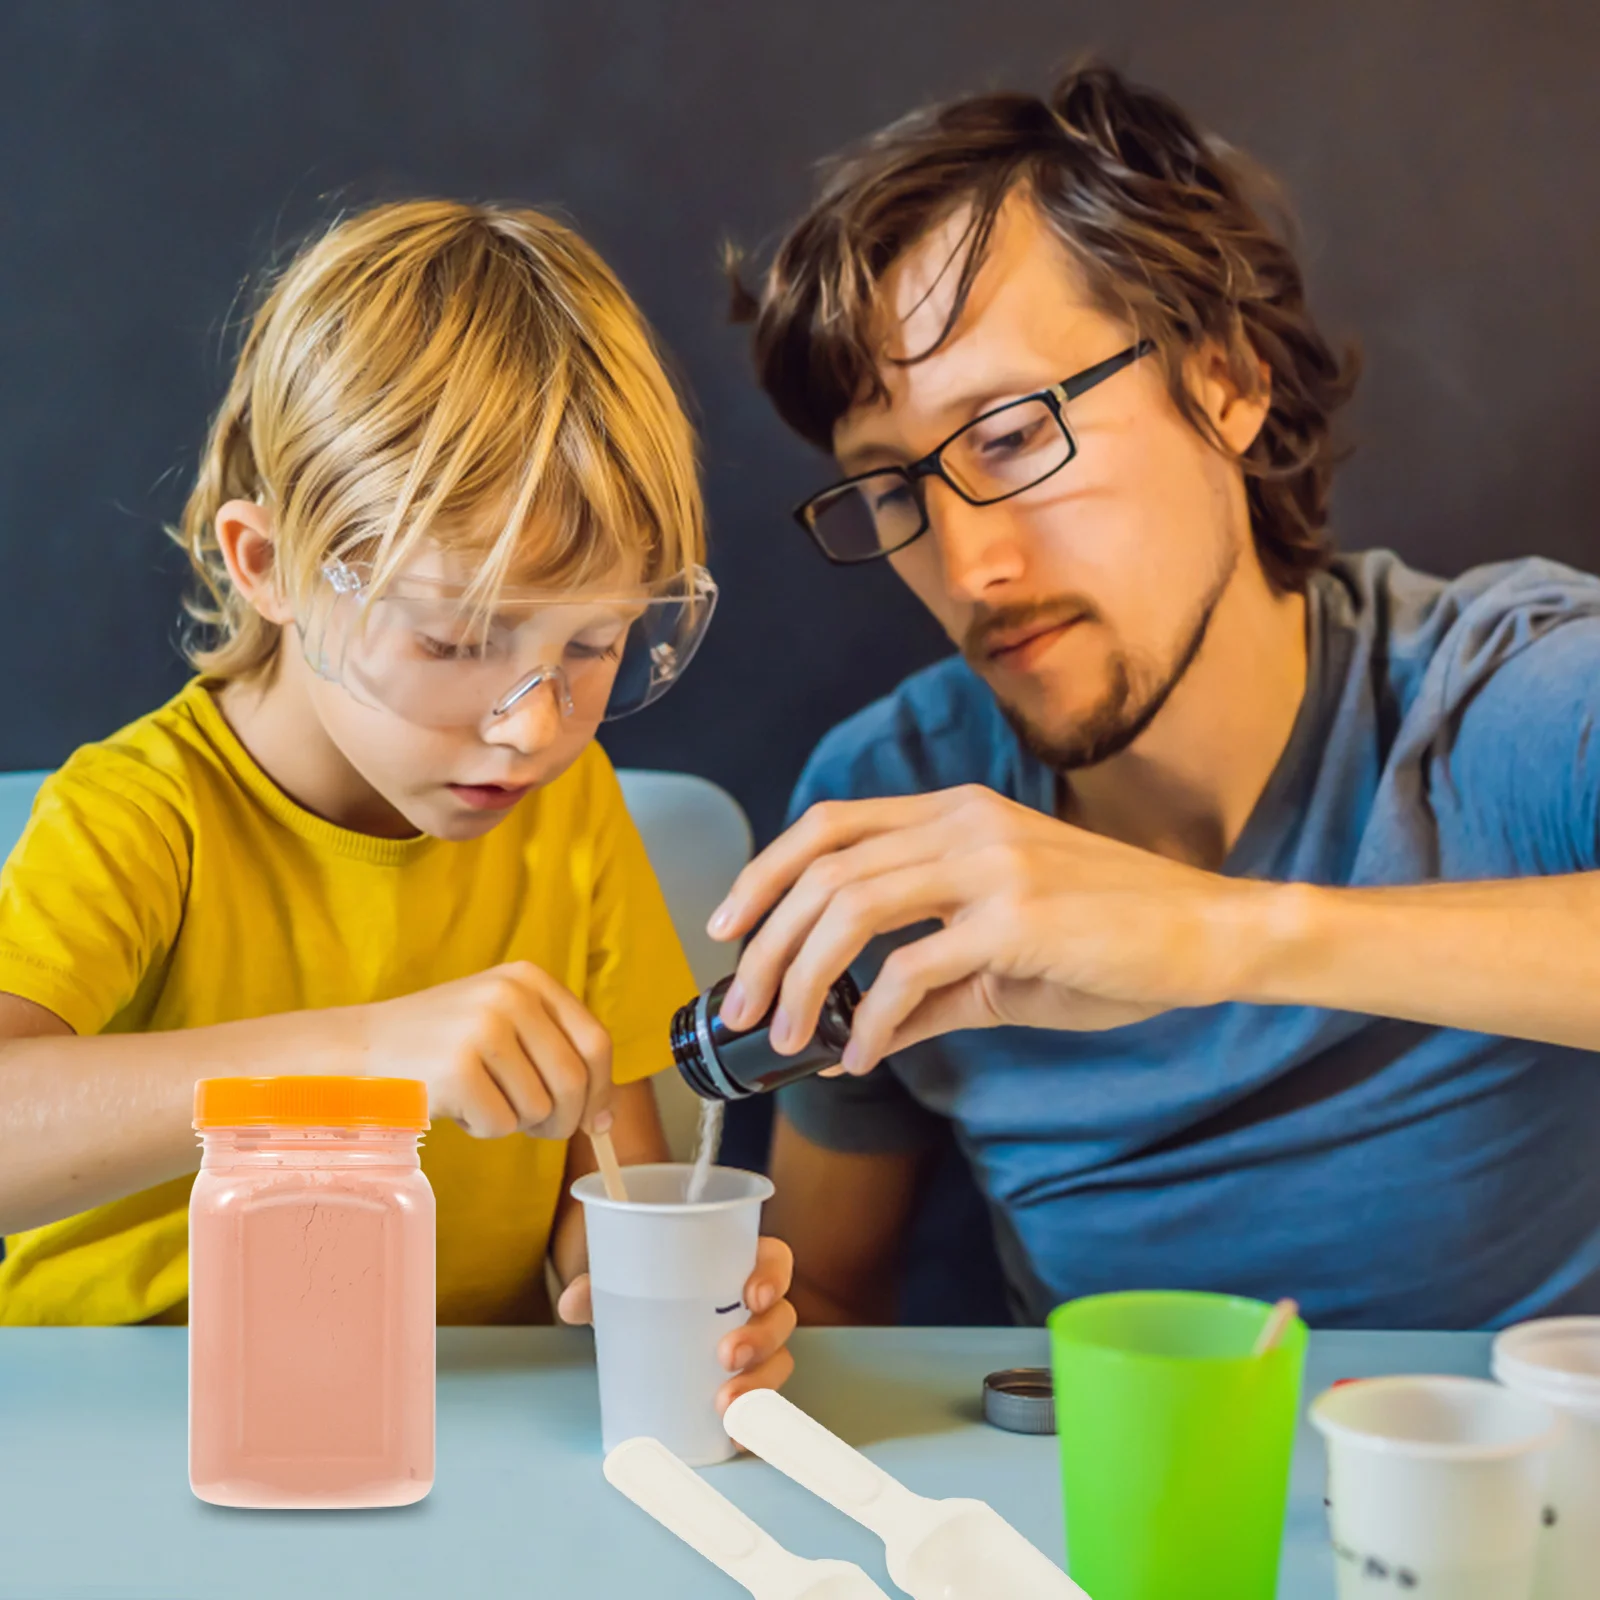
point(1276, 1325)
point(610, 1168)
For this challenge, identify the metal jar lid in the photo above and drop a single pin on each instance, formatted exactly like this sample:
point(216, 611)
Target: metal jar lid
point(1020, 1400)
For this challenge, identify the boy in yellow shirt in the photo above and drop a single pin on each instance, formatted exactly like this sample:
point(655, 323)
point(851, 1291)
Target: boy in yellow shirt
point(447, 520)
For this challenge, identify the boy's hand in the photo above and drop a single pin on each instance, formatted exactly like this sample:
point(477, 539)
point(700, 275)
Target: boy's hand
point(505, 1051)
point(758, 1353)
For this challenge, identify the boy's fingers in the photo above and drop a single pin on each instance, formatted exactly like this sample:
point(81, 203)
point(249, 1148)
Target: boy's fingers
point(576, 1305)
point(772, 1373)
point(549, 1092)
point(759, 1339)
point(591, 1042)
point(774, 1272)
point(483, 1108)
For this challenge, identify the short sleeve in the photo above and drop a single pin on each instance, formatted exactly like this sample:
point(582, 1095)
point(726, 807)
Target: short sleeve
point(874, 1115)
point(1516, 784)
point(92, 896)
point(638, 975)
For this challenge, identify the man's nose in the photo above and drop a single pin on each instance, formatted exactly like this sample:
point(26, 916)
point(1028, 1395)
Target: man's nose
point(981, 548)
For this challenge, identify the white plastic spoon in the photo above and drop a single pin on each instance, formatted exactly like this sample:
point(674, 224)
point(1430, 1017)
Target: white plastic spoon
point(685, 1504)
point(935, 1549)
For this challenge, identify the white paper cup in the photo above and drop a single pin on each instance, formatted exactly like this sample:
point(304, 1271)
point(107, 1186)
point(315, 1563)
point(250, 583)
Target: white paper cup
point(668, 1283)
point(1558, 1361)
point(1435, 1487)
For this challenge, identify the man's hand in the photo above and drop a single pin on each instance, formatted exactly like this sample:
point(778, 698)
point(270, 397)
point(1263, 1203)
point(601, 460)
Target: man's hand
point(758, 1353)
point(1044, 924)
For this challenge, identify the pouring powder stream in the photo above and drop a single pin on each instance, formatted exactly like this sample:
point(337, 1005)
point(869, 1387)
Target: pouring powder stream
point(707, 1138)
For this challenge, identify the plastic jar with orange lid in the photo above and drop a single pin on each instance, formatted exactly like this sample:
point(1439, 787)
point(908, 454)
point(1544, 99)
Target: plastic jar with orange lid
point(311, 1294)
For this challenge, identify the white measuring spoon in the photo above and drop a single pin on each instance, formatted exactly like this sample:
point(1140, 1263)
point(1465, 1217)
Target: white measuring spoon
point(685, 1504)
point(935, 1549)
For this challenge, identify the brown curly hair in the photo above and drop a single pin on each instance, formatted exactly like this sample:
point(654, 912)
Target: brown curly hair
point(1177, 234)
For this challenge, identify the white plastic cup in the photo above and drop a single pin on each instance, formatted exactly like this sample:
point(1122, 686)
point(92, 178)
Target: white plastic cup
point(1558, 1361)
point(668, 1281)
point(1435, 1486)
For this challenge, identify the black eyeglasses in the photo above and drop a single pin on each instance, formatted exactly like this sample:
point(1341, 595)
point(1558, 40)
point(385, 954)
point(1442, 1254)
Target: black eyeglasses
point(1002, 453)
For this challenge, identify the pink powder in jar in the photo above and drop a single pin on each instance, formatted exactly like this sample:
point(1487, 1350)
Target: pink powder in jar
point(311, 1294)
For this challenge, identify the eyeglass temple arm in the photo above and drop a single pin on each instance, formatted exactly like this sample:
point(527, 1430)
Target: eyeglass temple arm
point(1084, 381)
point(930, 466)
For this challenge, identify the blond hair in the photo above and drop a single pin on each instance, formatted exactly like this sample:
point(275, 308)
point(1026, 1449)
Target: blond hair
point(470, 375)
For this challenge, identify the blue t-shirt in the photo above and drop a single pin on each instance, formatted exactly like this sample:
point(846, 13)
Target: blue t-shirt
point(1383, 1173)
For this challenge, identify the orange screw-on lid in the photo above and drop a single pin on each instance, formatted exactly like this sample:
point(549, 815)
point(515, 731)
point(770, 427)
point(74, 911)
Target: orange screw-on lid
point(294, 1102)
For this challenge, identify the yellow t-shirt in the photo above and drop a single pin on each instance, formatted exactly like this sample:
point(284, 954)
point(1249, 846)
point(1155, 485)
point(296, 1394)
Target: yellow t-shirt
point(165, 882)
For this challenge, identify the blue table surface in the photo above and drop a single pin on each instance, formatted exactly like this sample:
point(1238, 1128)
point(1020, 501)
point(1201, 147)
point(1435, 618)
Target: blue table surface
point(94, 1495)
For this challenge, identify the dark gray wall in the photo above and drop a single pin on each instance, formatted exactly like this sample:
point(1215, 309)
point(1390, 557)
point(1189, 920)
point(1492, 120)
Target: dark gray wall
point(1443, 157)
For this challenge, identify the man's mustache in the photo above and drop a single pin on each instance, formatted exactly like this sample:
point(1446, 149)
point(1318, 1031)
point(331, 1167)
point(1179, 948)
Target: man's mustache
point(992, 627)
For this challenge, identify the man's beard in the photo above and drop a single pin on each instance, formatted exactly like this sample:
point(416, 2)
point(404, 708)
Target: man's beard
point(1131, 702)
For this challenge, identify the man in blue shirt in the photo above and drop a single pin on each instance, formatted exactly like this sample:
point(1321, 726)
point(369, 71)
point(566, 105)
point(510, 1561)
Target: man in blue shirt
point(1236, 904)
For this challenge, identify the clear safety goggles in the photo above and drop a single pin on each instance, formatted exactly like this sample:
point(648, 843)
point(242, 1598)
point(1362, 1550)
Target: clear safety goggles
point(421, 649)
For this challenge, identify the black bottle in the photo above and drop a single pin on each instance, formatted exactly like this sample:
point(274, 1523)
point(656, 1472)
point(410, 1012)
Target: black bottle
point(720, 1064)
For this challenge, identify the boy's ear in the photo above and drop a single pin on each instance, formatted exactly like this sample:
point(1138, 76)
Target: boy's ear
point(245, 537)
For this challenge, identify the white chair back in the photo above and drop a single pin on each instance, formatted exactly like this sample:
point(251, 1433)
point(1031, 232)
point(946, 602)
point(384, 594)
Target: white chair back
point(698, 839)
point(17, 790)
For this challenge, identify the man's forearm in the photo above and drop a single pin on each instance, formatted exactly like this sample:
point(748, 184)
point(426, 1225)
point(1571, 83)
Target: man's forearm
point(1518, 957)
point(845, 1215)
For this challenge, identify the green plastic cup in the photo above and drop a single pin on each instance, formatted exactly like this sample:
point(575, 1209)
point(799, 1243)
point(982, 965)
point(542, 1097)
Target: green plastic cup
point(1175, 1443)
